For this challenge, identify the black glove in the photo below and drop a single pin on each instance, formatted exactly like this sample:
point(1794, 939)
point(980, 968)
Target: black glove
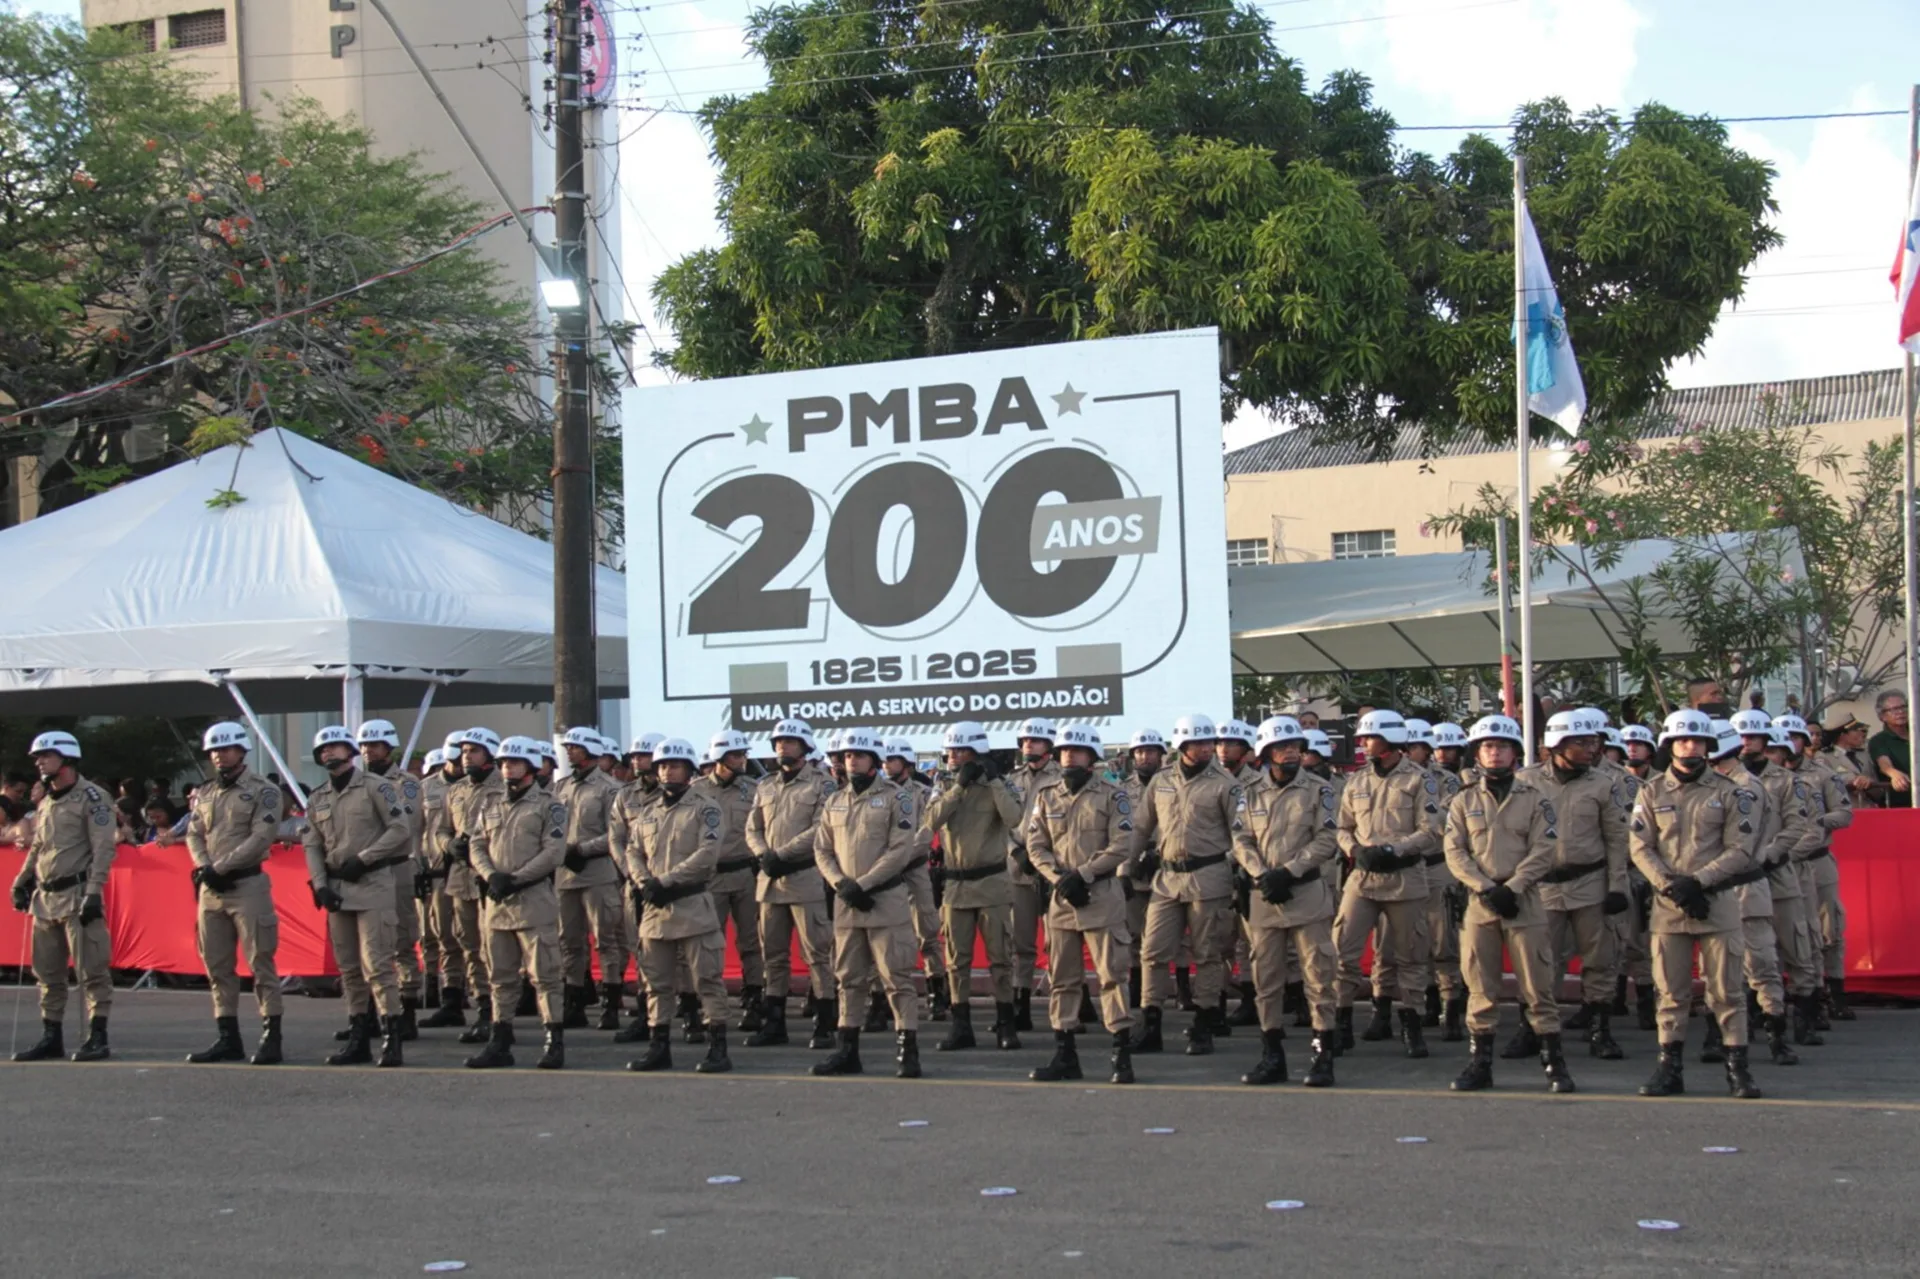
point(937, 873)
point(855, 896)
point(1149, 863)
point(1276, 885)
point(91, 908)
point(1075, 889)
point(1503, 901)
point(1699, 908)
point(215, 881)
point(575, 860)
point(199, 876)
point(1685, 892)
point(771, 866)
point(422, 886)
point(1021, 859)
point(651, 892)
point(327, 899)
point(1377, 858)
point(461, 850)
point(352, 870)
point(972, 771)
point(500, 885)
point(23, 895)
point(638, 899)
point(1617, 904)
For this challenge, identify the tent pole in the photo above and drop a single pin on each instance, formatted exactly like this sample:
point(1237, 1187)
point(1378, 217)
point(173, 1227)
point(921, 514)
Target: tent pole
point(260, 735)
point(353, 698)
point(419, 722)
point(1521, 446)
point(1506, 608)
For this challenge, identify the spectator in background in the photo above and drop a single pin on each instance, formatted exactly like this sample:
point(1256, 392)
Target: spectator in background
point(160, 818)
point(16, 810)
point(1891, 749)
point(129, 822)
point(1704, 694)
point(1308, 719)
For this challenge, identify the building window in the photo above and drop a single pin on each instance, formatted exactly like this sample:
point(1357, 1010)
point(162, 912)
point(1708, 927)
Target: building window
point(198, 30)
point(1242, 551)
point(140, 32)
point(1374, 545)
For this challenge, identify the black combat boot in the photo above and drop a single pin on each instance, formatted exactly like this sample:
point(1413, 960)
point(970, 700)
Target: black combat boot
point(879, 1016)
point(1022, 1008)
point(345, 1033)
point(1837, 1002)
point(1525, 1043)
point(431, 998)
point(752, 1008)
point(529, 1001)
point(590, 992)
point(773, 1026)
point(1380, 1025)
point(1805, 1009)
point(1222, 1028)
point(693, 1028)
point(1581, 1020)
point(716, 1061)
point(1122, 1059)
point(392, 1035)
point(906, 1055)
point(1150, 1041)
point(1619, 1006)
point(95, 1049)
point(1645, 1001)
point(1478, 1076)
point(359, 1047)
point(1431, 1018)
point(1320, 1065)
point(1453, 1021)
point(1295, 1002)
point(499, 1049)
point(573, 1007)
point(1065, 1063)
point(611, 995)
point(1343, 1030)
point(225, 1048)
point(482, 1029)
point(1135, 990)
point(268, 1052)
point(1669, 1077)
point(959, 1030)
point(846, 1058)
point(1739, 1078)
point(1600, 1039)
point(636, 1031)
point(1087, 1015)
point(659, 1054)
point(1753, 1007)
point(1714, 1050)
point(939, 999)
point(1777, 1050)
point(825, 1011)
point(52, 1044)
point(1200, 1034)
point(1272, 1066)
point(1245, 1013)
point(1554, 1062)
point(452, 1000)
point(1410, 1032)
point(409, 1017)
point(1183, 989)
point(1004, 1030)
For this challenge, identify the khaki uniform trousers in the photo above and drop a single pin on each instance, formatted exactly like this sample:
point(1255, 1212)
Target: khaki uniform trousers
point(702, 958)
point(1761, 964)
point(1443, 947)
point(1793, 932)
point(469, 942)
point(1632, 957)
point(455, 958)
point(535, 951)
point(1530, 952)
point(1832, 930)
point(594, 919)
point(1066, 974)
point(1307, 949)
point(994, 925)
point(1029, 917)
point(363, 950)
point(739, 905)
point(926, 923)
point(1405, 944)
point(779, 921)
point(56, 942)
point(858, 953)
point(1721, 956)
point(242, 919)
point(1207, 928)
point(406, 933)
point(1583, 931)
point(432, 955)
point(1137, 928)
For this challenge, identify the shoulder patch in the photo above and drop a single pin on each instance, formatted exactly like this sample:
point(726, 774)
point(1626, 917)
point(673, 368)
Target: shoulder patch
point(410, 789)
point(1433, 784)
point(1744, 798)
point(1121, 804)
point(388, 793)
point(1546, 806)
point(93, 793)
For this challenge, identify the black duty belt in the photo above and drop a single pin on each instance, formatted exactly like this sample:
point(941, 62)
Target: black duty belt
point(886, 884)
point(1567, 874)
point(396, 860)
point(1814, 857)
point(1740, 880)
point(1435, 859)
point(968, 873)
point(1307, 876)
point(734, 863)
point(920, 861)
point(670, 894)
point(782, 869)
point(438, 874)
point(245, 872)
point(62, 884)
point(1188, 865)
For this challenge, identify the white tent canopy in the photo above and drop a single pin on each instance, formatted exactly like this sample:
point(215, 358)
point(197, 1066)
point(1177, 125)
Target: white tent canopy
point(1426, 611)
point(143, 600)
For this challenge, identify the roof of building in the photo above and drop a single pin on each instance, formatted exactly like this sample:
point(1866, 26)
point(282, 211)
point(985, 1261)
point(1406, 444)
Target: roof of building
point(1847, 397)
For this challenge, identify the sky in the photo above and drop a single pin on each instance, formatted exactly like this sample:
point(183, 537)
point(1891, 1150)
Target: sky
point(1820, 304)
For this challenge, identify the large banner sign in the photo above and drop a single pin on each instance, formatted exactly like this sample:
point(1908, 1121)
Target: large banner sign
point(898, 546)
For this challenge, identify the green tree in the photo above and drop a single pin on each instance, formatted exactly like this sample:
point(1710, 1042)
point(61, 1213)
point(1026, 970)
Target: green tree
point(928, 179)
point(143, 220)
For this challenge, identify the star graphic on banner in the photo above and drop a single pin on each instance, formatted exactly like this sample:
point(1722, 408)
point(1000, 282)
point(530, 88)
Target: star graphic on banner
point(1068, 401)
point(756, 430)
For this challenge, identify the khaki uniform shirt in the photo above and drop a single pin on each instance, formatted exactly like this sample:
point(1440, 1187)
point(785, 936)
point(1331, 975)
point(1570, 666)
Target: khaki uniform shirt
point(1829, 801)
point(869, 837)
point(629, 809)
point(676, 846)
point(1593, 833)
point(411, 804)
point(524, 836)
point(734, 871)
point(782, 822)
point(233, 824)
point(1191, 817)
point(433, 804)
point(1025, 783)
point(1136, 794)
point(1290, 827)
point(73, 834)
point(588, 799)
point(365, 821)
point(1786, 823)
point(463, 799)
point(1401, 809)
point(1705, 829)
point(974, 824)
point(1090, 832)
point(1494, 841)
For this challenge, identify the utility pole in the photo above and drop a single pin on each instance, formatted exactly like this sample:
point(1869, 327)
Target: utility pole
point(575, 692)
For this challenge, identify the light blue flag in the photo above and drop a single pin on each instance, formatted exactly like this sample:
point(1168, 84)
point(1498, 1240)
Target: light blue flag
point(1554, 389)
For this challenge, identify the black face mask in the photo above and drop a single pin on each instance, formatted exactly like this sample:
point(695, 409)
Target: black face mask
point(1497, 774)
point(480, 772)
point(521, 787)
point(1191, 771)
point(792, 767)
point(1689, 770)
point(230, 775)
point(1036, 762)
point(672, 791)
point(1381, 767)
point(1284, 773)
point(1569, 772)
point(1756, 763)
point(860, 783)
point(1076, 778)
point(1716, 710)
point(1145, 772)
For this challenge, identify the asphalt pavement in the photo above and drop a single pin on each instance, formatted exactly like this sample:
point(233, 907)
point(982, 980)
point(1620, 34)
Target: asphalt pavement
point(147, 1166)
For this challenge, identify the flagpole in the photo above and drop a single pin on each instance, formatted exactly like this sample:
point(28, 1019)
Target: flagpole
point(1908, 495)
point(1522, 445)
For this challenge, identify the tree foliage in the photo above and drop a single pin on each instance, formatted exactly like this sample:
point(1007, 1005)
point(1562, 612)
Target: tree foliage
point(928, 179)
point(143, 220)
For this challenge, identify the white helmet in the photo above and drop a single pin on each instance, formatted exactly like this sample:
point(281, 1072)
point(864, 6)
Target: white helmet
point(226, 733)
point(1146, 737)
point(1449, 734)
point(333, 734)
point(1580, 723)
point(451, 743)
point(1082, 736)
point(645, 744)
point(1278, 729)
point(1037, 727)
point(65, 743)
point(726, 741)
point(436, 758)
point(547, 750)
point(966, 735)
point(859, 739)
point(1756, 723)
point(587, 739)
point(1193, 728)
point(525, 749)
point(1726, 739)
point(485, 738)
point(1792, 724)
point(1637, 733)
point(901, 748)
point(1419, 732)
point(674, 748)
point(1388, 726)
point(1319, 743)
point(1689, 724)
point(378, 730)
point(1778, 736)
point(798, 729)
point(1236, 730)
point(1496, 728)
